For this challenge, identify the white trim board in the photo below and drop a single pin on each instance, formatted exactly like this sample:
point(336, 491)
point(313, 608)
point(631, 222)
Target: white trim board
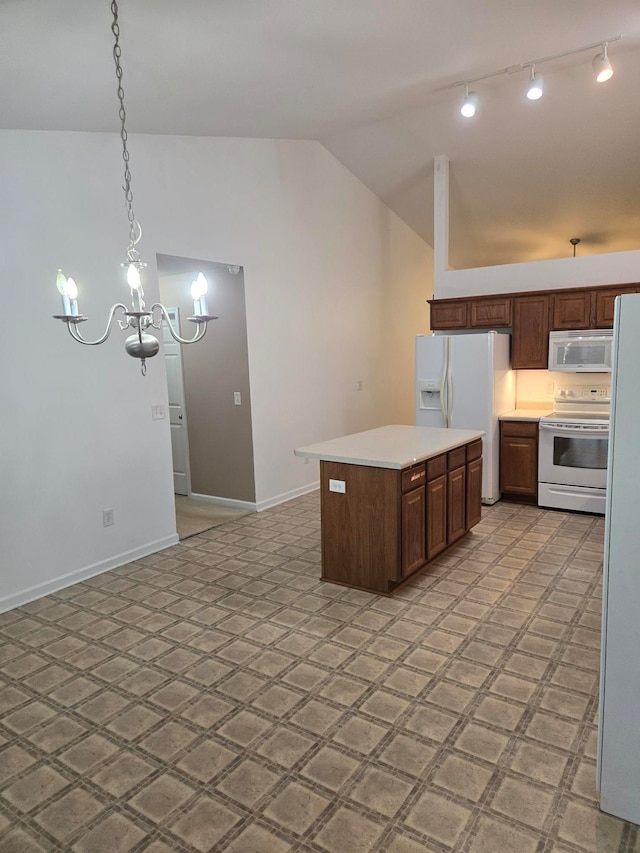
point(17, 599)
point(258, 506)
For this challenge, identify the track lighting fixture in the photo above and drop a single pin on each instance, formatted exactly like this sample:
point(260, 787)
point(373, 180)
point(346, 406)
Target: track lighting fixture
point(470, 104)
point(534, 90)
point(601, 66)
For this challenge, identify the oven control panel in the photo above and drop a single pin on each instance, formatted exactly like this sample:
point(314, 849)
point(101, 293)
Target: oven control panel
point(583, 394)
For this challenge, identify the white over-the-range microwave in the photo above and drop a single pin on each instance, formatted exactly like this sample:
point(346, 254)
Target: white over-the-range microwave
point(581, 351)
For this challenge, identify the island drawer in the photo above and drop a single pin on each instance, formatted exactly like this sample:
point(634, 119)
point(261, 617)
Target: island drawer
point(457, 457)
point(474, 450)
point(413, 477)
point(436, 467)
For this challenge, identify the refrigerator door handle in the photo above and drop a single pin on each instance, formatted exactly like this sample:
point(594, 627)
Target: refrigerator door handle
point(443, 381)
point(449, 387)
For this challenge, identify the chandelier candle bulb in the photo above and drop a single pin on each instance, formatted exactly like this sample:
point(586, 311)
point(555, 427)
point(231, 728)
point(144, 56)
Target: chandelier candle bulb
point(72, 293)
point(195, 295)
point(61, 284)
point(204, 287)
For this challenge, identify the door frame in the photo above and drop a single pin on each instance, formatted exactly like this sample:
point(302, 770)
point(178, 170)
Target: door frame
point(174, 314)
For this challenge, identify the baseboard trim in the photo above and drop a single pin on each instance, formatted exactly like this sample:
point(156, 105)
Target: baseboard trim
point(250, 506)
point(258, 506)
point(17, 599)
point(288, 496)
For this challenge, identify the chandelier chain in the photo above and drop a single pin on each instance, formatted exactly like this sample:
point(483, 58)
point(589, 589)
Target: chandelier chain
point(135, 231)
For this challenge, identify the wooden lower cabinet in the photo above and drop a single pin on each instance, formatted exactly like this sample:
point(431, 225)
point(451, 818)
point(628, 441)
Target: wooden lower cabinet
point(436, 516)
point(474, 492)
point(519, 460)
point(456, 504)
point(413, 514)
point(388, 523)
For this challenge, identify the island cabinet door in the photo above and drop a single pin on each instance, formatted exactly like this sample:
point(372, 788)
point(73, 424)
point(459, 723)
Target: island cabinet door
point(413, 530)
point(474, 492)
point(456, 504)
point(436, 516)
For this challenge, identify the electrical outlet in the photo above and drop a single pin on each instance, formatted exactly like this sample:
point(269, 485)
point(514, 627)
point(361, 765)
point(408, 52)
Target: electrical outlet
point(157, 413)
point(550, 387)
point(359, 385)
point(337, 486)
point(107, 517)
point(237, 398)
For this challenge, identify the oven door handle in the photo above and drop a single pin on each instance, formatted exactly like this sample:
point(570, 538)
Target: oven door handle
point(576, 430)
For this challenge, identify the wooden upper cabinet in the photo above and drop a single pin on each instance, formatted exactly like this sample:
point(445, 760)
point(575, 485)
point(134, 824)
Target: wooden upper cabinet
point(572, 310)
point(605, 300)
point(448, 314)
point(530, 340)
point(490, 313)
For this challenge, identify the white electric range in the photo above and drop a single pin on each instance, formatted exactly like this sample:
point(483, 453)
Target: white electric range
point(572, 451)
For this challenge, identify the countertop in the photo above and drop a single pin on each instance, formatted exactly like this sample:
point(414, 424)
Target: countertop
point(526, 414)
point(395, 446)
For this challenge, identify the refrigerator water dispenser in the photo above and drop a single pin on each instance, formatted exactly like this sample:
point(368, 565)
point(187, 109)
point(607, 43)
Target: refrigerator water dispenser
point(429, 393)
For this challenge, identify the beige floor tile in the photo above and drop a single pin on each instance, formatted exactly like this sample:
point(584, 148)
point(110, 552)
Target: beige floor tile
point(296, 807)
point(542, 763)
point(248, 783)
point(348, 830)
point(123, 773)
point(503, 715)
point(462, 777)
point(380, 791)
point(408, 755)
point(115, 834)
point(205, 823)
point(523, 801)
point(161, 797)
point(256, 839)
point(285, 747)
point(439, 818)
point(13, 761)
point(482, 741)
point(34, 788)
point(64, 817)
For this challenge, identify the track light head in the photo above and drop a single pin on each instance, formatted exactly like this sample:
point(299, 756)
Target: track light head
point(470, 103)
point(601, 66)
point(535, 89)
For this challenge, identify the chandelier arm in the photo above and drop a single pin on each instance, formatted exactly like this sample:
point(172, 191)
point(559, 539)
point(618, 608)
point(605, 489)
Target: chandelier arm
point(200, 331)
point(75, 334)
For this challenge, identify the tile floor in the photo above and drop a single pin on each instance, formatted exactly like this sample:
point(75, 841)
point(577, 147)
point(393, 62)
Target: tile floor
point(218, 696)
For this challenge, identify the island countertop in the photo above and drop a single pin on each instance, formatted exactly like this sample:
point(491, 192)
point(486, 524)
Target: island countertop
point(394, 446)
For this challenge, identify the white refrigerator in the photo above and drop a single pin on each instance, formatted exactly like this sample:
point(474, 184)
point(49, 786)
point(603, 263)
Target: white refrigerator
point(619, 713)
point(464, 381)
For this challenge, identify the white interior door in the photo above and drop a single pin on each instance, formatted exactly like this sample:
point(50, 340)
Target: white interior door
point(177, 414)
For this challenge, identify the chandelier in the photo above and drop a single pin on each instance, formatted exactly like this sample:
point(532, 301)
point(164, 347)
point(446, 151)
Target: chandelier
point(138, 318)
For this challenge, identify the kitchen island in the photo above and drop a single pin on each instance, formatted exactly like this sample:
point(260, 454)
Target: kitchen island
point(393, 499)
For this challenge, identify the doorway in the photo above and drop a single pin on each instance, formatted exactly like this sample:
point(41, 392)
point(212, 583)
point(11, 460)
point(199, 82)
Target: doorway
point(209, 396)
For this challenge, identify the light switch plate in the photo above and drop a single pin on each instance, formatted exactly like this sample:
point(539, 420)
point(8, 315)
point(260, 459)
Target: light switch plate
point(157, 413)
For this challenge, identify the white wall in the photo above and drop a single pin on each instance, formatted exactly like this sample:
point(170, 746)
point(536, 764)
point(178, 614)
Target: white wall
point(323, 259)
point(587, 271)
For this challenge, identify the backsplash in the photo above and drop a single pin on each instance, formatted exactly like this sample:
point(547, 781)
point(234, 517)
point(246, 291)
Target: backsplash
point(534, 387)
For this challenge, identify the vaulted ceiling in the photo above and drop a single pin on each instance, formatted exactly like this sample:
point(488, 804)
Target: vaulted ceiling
point(372, 80)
